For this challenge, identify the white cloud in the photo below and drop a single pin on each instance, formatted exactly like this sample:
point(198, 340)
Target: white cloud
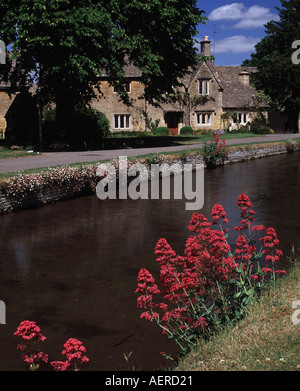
point(236, 44)
point(247, 18)
point(229, 12)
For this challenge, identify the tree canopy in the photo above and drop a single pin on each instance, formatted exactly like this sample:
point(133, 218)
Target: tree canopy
point(278, 75)
point(62, 46)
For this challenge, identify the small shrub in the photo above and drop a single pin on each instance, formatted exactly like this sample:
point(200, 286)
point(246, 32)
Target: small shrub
point(215, 152)
point(186, 130)
point(244, 129)
point(259, 126)
point(131, 133)
point(162, 131)
point(88, 125)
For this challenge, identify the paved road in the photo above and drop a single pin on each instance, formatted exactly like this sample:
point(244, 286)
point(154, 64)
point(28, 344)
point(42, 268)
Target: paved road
point(51, 159)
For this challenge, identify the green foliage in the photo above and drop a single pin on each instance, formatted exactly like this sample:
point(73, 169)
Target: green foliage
point(277, 75)
point(260, 127)
point(244, 129)
point(88, 125)
point(63, 48)
point(186, 130)
point(215, 152)
point(151, 125)
point(229, 116)
point(130, 134)
point(162, 131)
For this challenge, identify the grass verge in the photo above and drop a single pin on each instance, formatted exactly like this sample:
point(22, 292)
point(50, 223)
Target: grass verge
point(172, 155)
point(266, 340)
point(6, 153)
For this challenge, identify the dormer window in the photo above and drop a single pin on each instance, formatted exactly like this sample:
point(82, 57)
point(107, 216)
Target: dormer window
point(127, 87)
point(204, 85)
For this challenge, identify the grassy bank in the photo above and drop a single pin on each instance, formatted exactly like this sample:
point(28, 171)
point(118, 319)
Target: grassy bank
point(266, 340)
point(171, 155)
point(6, 153)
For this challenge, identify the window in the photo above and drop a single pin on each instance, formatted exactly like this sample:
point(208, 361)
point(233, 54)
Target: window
point(242, 118)
point(122, 121)
point(203, 86)
point(203, 118)
point(127, 87)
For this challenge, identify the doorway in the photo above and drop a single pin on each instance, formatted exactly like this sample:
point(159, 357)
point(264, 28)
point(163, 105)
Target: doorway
point(172, 119)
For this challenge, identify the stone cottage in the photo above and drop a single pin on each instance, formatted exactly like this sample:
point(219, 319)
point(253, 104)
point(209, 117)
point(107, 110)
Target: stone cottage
point(227, 88)
point(5, 103)
point(211, 97)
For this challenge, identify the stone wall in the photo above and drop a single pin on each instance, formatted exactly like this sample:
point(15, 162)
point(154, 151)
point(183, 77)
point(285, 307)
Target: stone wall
point(5, 102)
point(48, 195)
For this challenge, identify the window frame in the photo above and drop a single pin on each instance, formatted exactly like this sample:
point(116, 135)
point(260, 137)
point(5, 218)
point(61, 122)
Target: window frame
point(122, 119)
point(204, 86)
point(243, 118)
point(204, 118)
point(127, 85)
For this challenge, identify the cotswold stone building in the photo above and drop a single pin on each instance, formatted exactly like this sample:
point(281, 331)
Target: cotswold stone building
point(5, 103)
point(228, 89)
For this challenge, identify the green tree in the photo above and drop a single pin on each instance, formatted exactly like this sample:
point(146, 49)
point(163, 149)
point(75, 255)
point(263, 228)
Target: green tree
point(62, 47)
point(277, 75)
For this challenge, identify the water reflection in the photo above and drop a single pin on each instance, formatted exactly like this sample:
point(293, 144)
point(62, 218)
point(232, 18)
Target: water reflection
point(72, 266)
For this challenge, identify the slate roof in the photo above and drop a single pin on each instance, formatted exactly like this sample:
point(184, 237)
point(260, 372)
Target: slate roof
point(235, 93)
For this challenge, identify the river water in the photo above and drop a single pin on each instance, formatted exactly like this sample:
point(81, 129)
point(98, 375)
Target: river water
point(72, 266)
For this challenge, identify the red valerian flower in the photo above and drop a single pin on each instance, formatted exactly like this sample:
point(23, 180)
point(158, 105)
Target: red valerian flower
point(244, 202)
point(31, 334)
point(200, 322)
point(280, 272)
point(74, 352)
point(267, 270)
point(29, 331)
point(190, 282)
point(246, 214)
point(258, 228)
point(218, 213)
point(271, 241)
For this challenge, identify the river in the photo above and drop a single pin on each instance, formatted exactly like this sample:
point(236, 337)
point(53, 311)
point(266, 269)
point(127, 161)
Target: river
point(72, 266)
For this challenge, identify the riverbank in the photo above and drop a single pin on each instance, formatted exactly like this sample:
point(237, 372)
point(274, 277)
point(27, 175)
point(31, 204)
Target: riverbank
point(51, 159)
point(266, 340)
point(39, 187)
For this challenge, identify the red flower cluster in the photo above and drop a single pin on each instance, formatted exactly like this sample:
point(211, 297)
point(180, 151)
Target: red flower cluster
point(74, 351)
point(32, 336)
point(189, 282)
point(270, 242)
point(31, 333)
point(215, 152)
point(247, 214)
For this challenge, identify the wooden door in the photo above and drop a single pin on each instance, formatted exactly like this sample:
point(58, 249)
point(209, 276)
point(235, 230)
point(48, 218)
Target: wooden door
point(172, 121)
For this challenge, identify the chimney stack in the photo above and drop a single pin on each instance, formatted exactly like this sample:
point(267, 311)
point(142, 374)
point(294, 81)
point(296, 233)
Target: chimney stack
point(205, 46)
point(244, 78)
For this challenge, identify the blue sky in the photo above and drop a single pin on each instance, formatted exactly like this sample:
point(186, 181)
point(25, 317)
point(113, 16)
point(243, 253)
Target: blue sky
point(238, 27)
